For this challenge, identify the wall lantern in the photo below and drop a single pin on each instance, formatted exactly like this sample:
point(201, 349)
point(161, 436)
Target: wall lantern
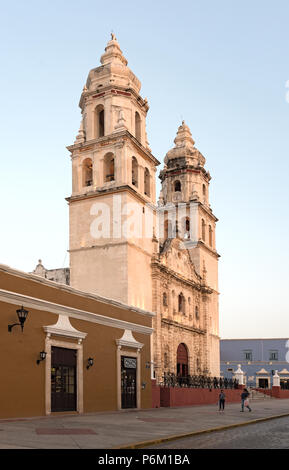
point(143, 385)
point(22, 315)
point(42, 355)
point(148, 365)
point(89, 362)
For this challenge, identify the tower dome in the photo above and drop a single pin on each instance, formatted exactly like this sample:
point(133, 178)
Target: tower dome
point(184, 148)
point(113, 71)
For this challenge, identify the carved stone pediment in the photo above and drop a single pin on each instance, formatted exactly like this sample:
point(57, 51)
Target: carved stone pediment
point(176, 257)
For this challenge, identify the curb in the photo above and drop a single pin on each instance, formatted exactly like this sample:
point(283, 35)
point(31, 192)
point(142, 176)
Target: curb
point(140, 445)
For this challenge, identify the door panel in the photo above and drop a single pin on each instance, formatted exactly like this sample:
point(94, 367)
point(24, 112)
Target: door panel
point(63, 379)
point(128, 382)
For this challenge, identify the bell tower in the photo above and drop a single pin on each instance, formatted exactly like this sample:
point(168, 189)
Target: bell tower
point(185, 192)
point(113, 186)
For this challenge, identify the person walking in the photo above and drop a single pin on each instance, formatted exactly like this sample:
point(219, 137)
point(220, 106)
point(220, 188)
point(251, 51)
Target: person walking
point(245, 400)
point(222, 398)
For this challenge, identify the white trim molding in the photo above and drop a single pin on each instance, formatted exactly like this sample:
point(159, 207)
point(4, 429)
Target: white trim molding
point(263, 371)
point(63, 327)
point(49, 343)
point(129, 341)
point(51, 307)
point(73, 290)
point(137, 355)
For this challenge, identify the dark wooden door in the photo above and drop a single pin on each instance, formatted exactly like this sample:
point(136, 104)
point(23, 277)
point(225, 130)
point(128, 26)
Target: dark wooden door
point(263, 383)
point(128, 382)
point(63, 379)
point(182, 360)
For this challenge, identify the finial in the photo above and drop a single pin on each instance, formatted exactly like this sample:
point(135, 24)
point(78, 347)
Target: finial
point(80, 138)
point(40, 261)
point(113, 38)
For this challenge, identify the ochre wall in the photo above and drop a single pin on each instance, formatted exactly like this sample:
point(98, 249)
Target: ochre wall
point(23, 381)
point(63, 296)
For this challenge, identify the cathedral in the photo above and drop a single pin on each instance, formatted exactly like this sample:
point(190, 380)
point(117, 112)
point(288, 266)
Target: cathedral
point(157, 254)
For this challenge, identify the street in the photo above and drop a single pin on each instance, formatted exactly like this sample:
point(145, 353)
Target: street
point(117, 430)
point(273, 434)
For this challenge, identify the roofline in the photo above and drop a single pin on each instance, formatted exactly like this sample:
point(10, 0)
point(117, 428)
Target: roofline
point(34, 277)
point(251, 339)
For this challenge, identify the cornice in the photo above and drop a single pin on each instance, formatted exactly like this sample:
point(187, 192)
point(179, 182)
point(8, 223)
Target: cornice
point(112, 244)
point(110, 138)
point(73, 290)
point(113, 189)
point(184, 327)
point(215, 336)
point(109, 90)
point(58, 309)
point(201, 244)
point(168, 172)
point(208, 211)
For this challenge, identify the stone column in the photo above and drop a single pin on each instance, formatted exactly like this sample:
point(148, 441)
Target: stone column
point(89, 109)
point(76, 174)
point(108, 115)
point(118, 162)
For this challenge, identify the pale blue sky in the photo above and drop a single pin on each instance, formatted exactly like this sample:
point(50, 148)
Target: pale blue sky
point(222, 66)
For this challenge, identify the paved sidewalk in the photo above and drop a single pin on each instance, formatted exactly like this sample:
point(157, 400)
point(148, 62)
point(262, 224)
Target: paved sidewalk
point(116, 429)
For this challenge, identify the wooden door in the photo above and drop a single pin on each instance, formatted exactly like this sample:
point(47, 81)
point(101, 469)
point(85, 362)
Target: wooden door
point(128, 382)
point(63, 379)
point(182, 360)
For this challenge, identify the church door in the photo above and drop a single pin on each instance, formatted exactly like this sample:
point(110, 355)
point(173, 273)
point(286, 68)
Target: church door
point(128, 382)
point(63, 379)
point(182, 360)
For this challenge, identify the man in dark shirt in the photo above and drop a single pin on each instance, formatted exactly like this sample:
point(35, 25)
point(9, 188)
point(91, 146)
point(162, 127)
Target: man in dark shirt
point(222, 398)
point(244, 397)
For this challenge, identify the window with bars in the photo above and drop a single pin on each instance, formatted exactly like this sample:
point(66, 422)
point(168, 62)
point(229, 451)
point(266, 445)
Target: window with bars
point(248, 355)
point(273, 355)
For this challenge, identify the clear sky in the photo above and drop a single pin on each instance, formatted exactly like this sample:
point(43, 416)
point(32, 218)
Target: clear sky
point(222, 66)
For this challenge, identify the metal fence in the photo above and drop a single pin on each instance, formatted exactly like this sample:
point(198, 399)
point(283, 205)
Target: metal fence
point(197, 381)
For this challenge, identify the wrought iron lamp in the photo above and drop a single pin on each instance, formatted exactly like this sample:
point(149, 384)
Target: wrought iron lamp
point(22, 315)
point(42, 355)
point(89, 362)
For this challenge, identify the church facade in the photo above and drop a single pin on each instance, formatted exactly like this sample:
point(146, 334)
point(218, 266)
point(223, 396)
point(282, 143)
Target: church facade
point(157, 255)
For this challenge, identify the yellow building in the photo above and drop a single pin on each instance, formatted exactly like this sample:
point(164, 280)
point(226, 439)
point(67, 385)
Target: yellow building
point(77, 352)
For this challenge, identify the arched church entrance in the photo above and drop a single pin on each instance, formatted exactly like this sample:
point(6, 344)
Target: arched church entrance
point(182, 360)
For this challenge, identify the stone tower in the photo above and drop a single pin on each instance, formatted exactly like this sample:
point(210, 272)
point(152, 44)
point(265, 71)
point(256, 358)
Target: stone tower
point(113, 184)
point(188, 217)
point(123, 246)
